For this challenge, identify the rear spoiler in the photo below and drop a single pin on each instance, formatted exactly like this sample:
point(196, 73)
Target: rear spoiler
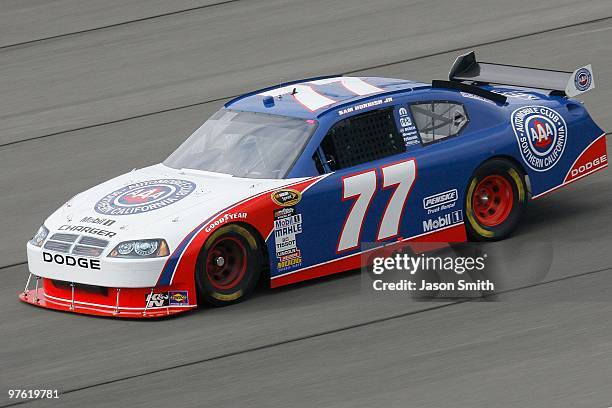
point(467, 68)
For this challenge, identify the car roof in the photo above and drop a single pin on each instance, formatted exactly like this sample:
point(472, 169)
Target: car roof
point(311, 98)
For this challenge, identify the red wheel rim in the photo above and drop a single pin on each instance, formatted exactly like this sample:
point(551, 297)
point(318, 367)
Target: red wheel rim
point(226, 263)
point(492, 200)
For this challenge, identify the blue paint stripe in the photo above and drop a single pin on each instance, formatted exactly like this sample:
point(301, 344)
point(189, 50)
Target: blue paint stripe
point(168, 271)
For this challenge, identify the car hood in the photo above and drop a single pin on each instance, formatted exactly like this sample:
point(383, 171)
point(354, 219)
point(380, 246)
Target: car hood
point(154, 202)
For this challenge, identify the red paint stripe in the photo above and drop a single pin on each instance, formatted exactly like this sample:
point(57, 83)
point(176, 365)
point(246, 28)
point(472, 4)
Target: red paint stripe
point(455, 233)
point(595, 149)
point(260, 209)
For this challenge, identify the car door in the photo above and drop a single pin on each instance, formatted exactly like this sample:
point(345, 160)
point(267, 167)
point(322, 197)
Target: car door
point(376, 180)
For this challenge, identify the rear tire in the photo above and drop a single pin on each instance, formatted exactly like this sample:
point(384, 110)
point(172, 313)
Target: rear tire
point(495, 200)
point(229, 266)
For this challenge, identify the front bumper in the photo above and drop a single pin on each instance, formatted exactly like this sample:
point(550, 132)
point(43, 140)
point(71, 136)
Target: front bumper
point(105, 301)
point(108, 272)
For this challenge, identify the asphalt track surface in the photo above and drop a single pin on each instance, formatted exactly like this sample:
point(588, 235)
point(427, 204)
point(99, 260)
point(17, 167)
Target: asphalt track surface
point(88, 92)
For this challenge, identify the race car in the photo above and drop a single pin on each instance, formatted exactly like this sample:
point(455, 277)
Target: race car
point(291, 182)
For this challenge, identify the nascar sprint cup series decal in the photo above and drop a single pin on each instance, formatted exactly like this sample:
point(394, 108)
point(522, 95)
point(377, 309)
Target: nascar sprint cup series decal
point(144, 196)
point(541, 134)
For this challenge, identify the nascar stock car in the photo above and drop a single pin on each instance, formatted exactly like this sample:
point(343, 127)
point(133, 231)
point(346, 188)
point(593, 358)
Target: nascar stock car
point(286, 183)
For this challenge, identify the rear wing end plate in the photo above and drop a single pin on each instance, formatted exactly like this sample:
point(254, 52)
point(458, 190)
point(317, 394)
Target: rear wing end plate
point(467, 68)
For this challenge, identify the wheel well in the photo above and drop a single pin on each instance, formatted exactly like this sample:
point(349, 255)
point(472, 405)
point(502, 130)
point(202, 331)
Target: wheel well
point(265, 271)
point(513, 161)
point(258, 236)
point(262, 244)
point(265, 260)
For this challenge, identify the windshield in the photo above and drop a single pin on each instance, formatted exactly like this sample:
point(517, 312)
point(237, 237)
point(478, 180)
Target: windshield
point(244, 144)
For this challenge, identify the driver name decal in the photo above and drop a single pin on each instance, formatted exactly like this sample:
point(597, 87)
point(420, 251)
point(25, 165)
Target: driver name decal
point(541, 134)
point(144, 196)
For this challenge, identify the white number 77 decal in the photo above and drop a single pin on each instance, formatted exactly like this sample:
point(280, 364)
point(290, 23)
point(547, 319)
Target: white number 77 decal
point(362, 187)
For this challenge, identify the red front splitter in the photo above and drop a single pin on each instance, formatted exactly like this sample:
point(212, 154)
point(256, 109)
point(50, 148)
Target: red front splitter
point(130, 302)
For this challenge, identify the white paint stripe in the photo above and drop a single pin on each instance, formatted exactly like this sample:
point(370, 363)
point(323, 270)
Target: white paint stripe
point(304, 94)
point(355, 85)
point(57, 299)
point(569, 182)
point(564, 183)
point(313, 100)
point(580, 155)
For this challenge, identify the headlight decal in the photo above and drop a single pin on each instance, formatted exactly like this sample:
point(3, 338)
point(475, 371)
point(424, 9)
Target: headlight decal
point(146, 248)
point(40, 236)
point(141, 248)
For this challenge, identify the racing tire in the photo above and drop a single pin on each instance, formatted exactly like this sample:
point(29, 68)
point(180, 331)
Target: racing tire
point(495, 200)
point(229, 266)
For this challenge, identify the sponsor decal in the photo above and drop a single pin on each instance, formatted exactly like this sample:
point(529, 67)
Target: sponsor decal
point(477, 97)
point(588, 167)
point(165, 299)
point(154, 300)
point(405, 122)
point(583, 79)
point(68, 260)
point(440, 201)
point(225, 218)
point(593, 158)
point(87, 230)
point(178, 298)
point(95, 220)
point(286, 197)
point(144, 196)
point(407, 127)
point(442, 221)
point(287, 225)
point(518, 95)
point(364, 105)
point(541, 134)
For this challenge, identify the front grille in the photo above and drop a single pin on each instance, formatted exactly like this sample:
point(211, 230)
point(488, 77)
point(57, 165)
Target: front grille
point(64, 237)
point(91, 241)
point(58, 246)
point(68, 244)
point(86, 250)
point(100, 290)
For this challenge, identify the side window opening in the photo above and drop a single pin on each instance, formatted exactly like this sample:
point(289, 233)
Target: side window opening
point(363, 138)
point(317, 162)
point(438, 120)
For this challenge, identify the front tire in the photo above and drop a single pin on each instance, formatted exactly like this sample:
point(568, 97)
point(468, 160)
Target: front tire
point(228, 266)
point(495, 200)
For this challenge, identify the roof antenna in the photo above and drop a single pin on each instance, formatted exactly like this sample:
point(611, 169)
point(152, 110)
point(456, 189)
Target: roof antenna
point(294, 91)
point(280, 85)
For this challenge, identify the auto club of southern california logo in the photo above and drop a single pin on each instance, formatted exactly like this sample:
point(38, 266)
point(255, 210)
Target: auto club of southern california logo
point(144, 196)
point(541, 133)
point(583, 79)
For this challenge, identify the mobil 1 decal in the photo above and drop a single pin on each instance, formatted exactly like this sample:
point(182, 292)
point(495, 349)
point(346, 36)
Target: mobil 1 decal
point(541, 134)
point(287, 226)
point(406, 126)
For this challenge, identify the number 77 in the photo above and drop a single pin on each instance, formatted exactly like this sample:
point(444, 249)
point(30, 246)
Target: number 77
point(361, 188)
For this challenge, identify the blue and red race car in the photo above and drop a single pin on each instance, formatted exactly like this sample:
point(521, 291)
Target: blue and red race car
point(288, 182)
